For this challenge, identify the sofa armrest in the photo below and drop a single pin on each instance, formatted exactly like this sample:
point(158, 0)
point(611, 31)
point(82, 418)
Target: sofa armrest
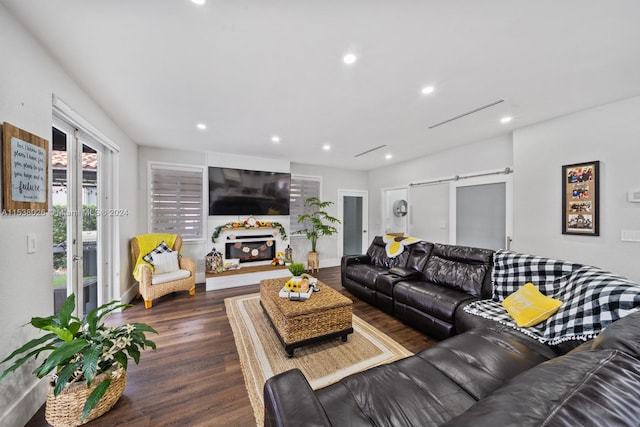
point(355, 259)
point(290, 401)
point(405, 273)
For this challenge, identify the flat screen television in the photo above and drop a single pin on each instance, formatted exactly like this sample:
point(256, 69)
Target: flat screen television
point(248, 192)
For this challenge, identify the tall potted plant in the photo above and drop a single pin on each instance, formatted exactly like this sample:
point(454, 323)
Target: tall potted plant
point(318, 223)
point(88, 358)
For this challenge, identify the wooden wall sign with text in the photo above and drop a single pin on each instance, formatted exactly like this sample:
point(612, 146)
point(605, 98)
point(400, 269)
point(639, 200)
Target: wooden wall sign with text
point(25, 172)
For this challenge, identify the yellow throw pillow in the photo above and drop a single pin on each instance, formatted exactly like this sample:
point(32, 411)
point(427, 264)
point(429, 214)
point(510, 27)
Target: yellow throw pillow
point(528, 306)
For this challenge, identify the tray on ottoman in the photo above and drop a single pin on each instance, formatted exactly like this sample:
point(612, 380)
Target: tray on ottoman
point(326, 314)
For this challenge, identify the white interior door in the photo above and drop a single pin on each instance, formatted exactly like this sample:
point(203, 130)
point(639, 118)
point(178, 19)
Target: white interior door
point(353, 215)
point(481, 212)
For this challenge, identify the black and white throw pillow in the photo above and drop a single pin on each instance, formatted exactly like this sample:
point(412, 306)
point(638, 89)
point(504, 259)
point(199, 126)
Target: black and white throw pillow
point(160, 249)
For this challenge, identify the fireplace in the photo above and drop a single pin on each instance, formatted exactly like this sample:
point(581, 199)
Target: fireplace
point(251, 248)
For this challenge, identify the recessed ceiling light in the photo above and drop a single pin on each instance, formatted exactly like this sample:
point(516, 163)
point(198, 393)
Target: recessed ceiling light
point(388, 156)
point(201, 126)
point(199, 2)
point(505, 119)
point(427, 90)
point(349, 58)
point(326, 147)
point(275, 139)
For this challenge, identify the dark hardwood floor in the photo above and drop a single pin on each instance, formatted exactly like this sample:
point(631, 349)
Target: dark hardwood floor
point(194, 377)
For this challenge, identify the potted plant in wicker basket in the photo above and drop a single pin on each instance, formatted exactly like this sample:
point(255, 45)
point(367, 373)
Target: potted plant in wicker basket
point(89, 361)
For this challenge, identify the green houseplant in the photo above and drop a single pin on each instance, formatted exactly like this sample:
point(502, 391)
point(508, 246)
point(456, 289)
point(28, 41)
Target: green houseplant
point(296, 268)
point(81, 351)
point(317, 221)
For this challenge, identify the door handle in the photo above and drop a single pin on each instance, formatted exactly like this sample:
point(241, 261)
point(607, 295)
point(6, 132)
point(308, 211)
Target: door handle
point(76, 258)
point(364, 231)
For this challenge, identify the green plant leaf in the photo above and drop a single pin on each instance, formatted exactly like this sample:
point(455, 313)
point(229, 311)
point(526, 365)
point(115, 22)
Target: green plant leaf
point(95, 397)
point(23, 359)
point(63, 333)
point(74, 327)
point(122, 359)
point(95, 315)
point(43, 322)
point(134, 353)
point(90, 363)
point(144, 328)
point(150, 343)
point(63, 353)
point(64, 315)
point(28, 346)
point(63, 377)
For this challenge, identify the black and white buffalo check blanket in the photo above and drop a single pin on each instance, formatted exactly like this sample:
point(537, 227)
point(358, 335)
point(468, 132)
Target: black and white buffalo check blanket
point(592, 298)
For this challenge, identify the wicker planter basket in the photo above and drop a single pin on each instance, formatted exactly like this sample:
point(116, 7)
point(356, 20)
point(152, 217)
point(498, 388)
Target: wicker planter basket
point(66, 408)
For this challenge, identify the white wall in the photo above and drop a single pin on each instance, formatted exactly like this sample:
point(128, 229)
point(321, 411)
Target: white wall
point(429, 207)
point(332, 181)
point(610, 134)
point(28, 78)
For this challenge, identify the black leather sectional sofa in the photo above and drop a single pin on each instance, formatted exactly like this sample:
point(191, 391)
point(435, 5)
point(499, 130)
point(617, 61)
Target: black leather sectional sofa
point(424, 286)
point(489, 377)
point(488, 374)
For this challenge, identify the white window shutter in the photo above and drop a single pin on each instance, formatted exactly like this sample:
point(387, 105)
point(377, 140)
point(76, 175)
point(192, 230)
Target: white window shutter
point(302, 187)
point(177, 200)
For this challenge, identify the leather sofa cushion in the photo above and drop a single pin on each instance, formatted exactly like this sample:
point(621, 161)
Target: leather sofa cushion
point(386, 282)
point(379, 257)
point(623, 335)
point(481, 361)
point(365, 274)
point(438, 301)
point(466, 321)
point(587, 388)
point(410, 392)
point(454, 274)
point(418, 254)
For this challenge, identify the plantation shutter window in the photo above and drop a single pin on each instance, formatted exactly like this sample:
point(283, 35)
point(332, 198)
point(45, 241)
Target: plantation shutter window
point(176, 200)
point(302, 187)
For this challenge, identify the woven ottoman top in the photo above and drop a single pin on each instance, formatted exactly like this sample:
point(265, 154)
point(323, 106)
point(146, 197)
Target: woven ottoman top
point(324, 299)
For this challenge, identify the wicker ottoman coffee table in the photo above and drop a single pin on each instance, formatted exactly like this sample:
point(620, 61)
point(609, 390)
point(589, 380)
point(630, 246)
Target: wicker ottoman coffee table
point(326, 314)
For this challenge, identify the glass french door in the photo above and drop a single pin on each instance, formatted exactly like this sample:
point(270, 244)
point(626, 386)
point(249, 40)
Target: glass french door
point(76, 221)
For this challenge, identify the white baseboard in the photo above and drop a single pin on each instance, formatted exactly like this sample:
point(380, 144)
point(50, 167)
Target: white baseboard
point(26, 406)
point(129, 294)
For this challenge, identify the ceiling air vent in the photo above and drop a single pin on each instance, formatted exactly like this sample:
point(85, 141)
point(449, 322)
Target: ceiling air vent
point(371, 150)
point(466, 114)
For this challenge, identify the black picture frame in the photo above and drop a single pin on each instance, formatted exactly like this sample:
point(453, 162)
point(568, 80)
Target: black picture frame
point(580, 199)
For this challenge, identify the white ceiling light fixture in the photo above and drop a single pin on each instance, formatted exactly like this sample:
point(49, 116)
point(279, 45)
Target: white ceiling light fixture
point(506, 119)
point(427, 90)
point(349, 58)
point(199, 2)
point(275, 139)
point(201, 126)
point(326, 147)
point(388, 156)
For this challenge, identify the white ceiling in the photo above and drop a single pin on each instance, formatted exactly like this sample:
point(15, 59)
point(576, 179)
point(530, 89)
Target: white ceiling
point(251, 69)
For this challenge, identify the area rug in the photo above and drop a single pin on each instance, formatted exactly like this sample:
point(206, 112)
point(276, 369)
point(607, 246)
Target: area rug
point(262, 355)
